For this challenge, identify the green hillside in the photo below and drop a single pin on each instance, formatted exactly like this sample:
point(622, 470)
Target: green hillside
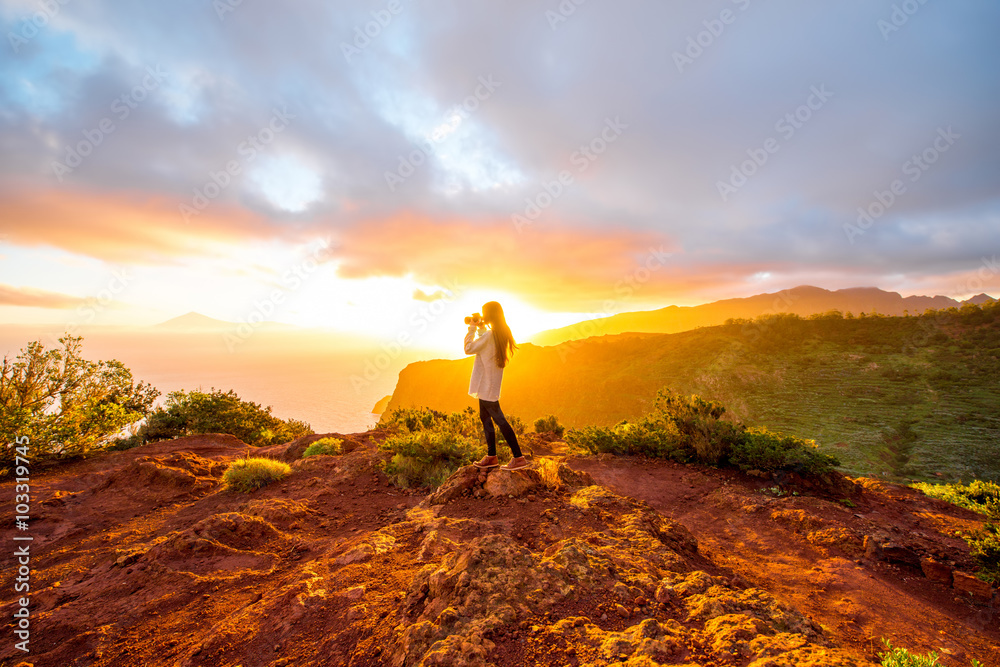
point(900, 396)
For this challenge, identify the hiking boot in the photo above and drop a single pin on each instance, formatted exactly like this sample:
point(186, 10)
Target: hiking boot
point(487, 462)
point(516, 463)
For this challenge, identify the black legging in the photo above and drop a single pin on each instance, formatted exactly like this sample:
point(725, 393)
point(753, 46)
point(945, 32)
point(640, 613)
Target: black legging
point(489, 412)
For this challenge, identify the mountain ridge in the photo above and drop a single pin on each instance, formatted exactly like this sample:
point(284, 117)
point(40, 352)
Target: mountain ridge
point(803, 300)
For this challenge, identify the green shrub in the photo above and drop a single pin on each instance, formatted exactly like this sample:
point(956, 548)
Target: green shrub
point(644, 437)
point(328, 446)
point(195, 412)
point(978, 496)
point(516, 424)
point(760, 449)
point(428, 457)
point(128, 442)
point(985, 550)
point(249, 474)
point(412, 420)
point(549, 424)
point(428, 445)
point(466, 422)
point(900, 657)
point(691, 429)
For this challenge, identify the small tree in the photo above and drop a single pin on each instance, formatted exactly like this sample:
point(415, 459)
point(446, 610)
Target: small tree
point(67, 405)
point(698, 423)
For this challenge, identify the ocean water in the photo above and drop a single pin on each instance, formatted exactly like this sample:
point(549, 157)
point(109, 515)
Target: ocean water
point(324, 399)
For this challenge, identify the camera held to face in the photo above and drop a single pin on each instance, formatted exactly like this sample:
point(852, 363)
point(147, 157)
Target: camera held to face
point(474, 319)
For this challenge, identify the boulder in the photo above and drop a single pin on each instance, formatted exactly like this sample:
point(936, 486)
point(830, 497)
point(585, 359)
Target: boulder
point(463, 479)
point(663, 592)
point(376, 543)
point(936, 571)
point(977, 589)
point(358, 554)
point(873, 549)
point(900, 554)
point(355, 593)
point(559, 476)
point(891, 552)
point(513, 482)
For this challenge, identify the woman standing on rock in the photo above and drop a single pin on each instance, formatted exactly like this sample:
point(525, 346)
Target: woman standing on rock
point(492, 347)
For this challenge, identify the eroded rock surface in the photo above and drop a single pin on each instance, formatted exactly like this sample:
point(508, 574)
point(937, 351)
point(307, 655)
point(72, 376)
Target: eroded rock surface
point(491, 594)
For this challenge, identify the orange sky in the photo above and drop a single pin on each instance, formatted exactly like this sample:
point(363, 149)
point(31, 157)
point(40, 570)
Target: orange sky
point(158, 158)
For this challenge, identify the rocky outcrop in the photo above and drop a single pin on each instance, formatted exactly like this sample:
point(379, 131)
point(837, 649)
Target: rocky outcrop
point(975, 588)
point(633, 571)
point(495, 482)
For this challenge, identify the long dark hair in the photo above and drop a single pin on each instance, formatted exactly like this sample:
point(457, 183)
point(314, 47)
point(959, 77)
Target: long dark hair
point(493, 314)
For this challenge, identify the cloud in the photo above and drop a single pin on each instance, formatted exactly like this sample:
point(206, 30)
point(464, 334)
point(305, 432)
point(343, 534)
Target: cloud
point(125, 228)
point(555, 267)
point(420, 295)
point(36, 298)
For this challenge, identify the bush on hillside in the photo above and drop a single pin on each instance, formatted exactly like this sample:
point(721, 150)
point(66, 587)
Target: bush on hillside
point(412, 420)
point(691, 429)
point(549, 424)
point(985, 551)
point(196, 413)
point(699, 423)
point(646, 436)
point(979, 495)
point(894, 656)
point(760, 449)
point(249, 474)
point(516, 424)
point(327, 446)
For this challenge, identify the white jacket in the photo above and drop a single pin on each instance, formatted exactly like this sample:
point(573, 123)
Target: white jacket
point(486, 375)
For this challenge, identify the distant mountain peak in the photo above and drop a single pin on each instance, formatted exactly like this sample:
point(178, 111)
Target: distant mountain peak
point(194, 320)
point(980, 299)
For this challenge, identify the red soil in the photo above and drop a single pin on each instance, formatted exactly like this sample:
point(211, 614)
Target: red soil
point(143, 558)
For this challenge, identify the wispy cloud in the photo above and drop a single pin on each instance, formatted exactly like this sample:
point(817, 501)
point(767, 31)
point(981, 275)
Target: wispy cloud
point(129, 227)
point(36, 298)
